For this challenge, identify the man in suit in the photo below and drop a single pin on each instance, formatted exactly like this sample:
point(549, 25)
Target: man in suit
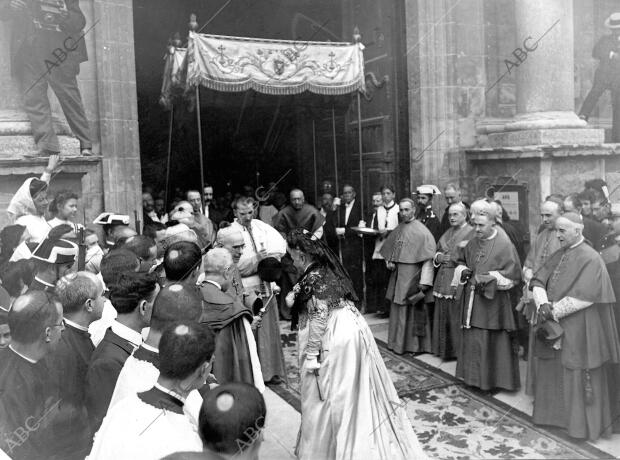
point(46, 50)
point(374, 290)
point(209, 210)
point(347, 216)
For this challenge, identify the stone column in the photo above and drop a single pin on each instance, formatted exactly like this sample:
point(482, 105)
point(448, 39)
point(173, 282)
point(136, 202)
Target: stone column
point(544, 66)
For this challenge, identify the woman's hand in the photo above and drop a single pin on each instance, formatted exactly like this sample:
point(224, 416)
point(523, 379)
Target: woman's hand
point(290, 299)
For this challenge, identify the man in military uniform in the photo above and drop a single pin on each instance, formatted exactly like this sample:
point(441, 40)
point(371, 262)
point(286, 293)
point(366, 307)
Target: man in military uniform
point(425, 212)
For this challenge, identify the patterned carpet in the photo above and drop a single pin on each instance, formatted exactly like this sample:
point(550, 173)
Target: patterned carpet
point(451, 420)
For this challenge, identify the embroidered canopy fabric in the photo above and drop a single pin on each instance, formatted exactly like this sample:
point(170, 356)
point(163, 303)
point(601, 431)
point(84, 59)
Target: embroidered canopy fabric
point(277, 67)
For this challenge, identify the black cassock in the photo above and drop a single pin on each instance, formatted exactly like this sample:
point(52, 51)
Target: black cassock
point(350, 244)
point(28, 407)
point(68, 365)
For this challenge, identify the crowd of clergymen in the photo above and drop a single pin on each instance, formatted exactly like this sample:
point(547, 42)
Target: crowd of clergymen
point(117, 350)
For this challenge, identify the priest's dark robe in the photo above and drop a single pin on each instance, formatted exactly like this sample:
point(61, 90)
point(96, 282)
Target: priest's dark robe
point(68, 365)
point(543, 246)
point(105, 365)
point(28, 407)
point(289, 218)
point(589, 344)
point(235, 358)
point(447, 321)
point(411, 247)
point(488, 356)
point(613, 269)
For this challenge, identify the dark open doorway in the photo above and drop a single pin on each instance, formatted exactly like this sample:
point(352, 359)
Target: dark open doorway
point(248, 138)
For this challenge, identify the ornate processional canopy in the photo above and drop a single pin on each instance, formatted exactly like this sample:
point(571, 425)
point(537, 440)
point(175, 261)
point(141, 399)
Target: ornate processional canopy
point(278, 67)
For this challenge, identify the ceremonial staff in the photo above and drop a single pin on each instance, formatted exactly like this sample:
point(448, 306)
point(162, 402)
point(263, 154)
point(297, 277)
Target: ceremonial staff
point(357, 38)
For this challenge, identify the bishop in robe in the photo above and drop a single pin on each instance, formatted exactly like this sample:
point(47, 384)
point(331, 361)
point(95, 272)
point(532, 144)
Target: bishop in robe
point(152, 424)
point(236, 356)
point(260, 242)
point(408, 251)
point(487, 358)
point(447, 315)
point(573, 290)
point(542, 248)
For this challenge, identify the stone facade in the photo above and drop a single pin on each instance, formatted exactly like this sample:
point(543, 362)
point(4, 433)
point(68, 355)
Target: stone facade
point(477, 120)
point(111, 179)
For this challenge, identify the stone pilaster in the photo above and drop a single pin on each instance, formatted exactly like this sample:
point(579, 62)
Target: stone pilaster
point(446, 66)
point(117, 104)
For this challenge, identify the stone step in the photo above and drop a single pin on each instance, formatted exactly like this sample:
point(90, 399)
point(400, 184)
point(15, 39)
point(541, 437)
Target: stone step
point(15, 146)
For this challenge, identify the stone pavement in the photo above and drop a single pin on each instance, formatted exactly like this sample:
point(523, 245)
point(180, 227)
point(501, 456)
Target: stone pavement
point(283, 420)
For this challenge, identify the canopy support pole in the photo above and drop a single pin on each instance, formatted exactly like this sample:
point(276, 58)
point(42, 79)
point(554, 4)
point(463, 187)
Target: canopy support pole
point(316, 186)
point(361, 160)
point(202, 173)
point(336, 174)
point(169, 157)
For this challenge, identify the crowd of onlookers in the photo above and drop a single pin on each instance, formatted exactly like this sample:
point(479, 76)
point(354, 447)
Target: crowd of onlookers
point(123, 300)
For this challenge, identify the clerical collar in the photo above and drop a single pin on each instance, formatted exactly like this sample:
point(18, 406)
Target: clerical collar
point(493, 235)
point(75, 325)
point(577, 243)
point(390, 205)
point(148, 347)
point(172, 393)
point(45, 283)
point(215, 283)
point(126, 333)
point(22, 356)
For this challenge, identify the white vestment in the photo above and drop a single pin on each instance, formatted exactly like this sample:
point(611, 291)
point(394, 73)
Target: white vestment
point(133, 429)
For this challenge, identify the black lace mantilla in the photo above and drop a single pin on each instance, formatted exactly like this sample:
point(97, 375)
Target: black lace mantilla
point(322, 283)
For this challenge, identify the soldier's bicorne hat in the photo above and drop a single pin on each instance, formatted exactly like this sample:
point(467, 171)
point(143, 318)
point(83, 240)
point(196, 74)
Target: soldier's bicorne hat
point(613, 21)
point(58, 252)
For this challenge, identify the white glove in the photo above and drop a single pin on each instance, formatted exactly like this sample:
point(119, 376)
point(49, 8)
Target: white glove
point(340, 231)
point(311, 364)
point(290, 299)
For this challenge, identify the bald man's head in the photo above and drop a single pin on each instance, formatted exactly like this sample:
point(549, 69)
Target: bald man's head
point(568, 229)
point(297, 198)
point(549, 212)
point(32, 317)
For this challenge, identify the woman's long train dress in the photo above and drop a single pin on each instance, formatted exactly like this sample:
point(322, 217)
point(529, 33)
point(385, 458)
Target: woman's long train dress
point(360, 415)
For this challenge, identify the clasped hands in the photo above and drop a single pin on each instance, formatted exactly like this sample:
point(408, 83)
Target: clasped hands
point(545, 312)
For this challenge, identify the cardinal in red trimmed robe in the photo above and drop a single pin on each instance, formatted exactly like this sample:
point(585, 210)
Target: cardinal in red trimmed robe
point(573, 289)
point(487, 358)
